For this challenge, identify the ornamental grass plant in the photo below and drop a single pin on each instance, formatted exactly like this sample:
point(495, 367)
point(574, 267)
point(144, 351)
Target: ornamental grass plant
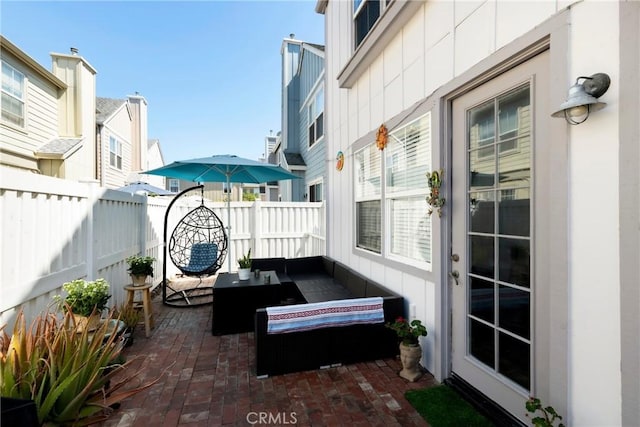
point(70, 375)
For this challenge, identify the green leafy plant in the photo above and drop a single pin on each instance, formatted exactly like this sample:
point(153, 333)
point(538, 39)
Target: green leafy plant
point(549, 415)
point(408, 332)
point(73, 377)
point(245, 261)
point(140, 265)
point(84, 297)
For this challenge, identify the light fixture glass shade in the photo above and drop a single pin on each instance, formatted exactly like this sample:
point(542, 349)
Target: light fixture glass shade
point(578, 98)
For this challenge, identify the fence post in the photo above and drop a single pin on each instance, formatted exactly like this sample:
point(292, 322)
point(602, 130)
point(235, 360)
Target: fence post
point(257, 212)
point(142, 227)
point(92, 252)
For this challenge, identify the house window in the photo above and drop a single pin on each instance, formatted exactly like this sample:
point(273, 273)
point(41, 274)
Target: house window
point(407, 161)
point(368, 174)
point(13, 95)
point(115, 153)
point(405, 231)
point(365, 15)
point(174, 185)
point(315, 192)
point(316, 118)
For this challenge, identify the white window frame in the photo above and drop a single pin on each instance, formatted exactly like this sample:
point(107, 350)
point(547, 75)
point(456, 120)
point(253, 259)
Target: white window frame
point(312, 185)
point(406, 159)
point(368, 189)
point(115, 153)
point(174, 185)
point(315, 117)
point(20, 96)
point(408, 154)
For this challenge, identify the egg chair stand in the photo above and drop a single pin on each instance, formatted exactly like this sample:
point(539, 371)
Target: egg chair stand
point(197, 247)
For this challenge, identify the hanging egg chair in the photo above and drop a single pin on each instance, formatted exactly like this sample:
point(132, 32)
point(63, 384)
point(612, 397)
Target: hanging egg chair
point(197, 247)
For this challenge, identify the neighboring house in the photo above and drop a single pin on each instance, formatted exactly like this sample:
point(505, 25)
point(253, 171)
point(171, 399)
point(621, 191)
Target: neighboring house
point(48, 119)
point(528, 282)
point(122, 139)
point(53, 124)
point(302, 147)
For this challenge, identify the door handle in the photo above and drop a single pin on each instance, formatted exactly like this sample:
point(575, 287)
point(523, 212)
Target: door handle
point(455, 276)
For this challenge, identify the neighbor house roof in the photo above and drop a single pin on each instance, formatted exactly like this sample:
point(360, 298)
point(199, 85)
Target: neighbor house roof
point(294, 159)
point(105, 107)
point(7, 46)
point(59, 148)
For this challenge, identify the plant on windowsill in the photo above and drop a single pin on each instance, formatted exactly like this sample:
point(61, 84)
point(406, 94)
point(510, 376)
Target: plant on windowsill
point(139, 268)
point(85, 300)
point(244, 263)
point(410, 350)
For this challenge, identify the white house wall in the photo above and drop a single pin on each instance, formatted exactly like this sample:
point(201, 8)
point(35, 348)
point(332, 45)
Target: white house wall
point(119, 126)
point(443, 41)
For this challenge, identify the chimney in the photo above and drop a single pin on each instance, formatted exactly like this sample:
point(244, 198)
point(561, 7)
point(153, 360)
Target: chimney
point(74, 50)
point(292, 36)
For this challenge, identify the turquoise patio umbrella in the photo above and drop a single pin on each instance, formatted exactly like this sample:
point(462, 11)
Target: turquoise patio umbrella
point(224, 168)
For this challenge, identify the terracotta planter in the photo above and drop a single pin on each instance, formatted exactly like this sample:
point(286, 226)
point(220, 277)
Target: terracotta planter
point(139, 280)
point(244, 273)
point(89, 323)
point(410, 356)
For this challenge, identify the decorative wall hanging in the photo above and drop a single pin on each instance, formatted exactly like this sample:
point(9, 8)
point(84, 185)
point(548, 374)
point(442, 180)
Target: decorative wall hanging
point(434, 179)
point(339, 161)
point(381, 137)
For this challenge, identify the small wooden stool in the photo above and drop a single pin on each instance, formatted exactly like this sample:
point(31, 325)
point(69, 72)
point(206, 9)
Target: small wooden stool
point(145, 304)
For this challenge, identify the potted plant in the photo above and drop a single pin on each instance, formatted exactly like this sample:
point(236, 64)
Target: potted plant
point(410, 350)
point(85, 300)
point(130, 316)
point(139, 268)
point(245, 266)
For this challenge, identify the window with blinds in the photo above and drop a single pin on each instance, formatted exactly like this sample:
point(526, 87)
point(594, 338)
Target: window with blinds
point(402, 167)
point(368, 203)
point(407, 161)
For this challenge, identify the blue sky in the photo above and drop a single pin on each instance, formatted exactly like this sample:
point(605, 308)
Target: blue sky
point(209, 70)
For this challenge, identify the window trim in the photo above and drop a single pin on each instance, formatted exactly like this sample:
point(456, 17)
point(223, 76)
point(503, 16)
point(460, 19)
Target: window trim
point(23, 100)
point(392, 19)
point(312, 125)
point(117, 146)
point(388, 195)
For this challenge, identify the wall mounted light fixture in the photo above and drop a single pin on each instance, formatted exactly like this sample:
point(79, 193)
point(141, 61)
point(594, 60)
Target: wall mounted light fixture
point(583, 98)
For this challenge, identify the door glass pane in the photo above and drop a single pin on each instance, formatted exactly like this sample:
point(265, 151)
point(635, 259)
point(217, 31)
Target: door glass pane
point(481, 342)
point(482, 125)
point(513, 306)
point(514, 360)
point(482, 168)
point(482, 256)
point(499, 147)
point(514, 261)
point(513, 213)
point(482, 299)
point(482, 212)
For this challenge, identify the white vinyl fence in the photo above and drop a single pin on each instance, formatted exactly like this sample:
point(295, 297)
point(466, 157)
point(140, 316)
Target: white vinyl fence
point(54, 231)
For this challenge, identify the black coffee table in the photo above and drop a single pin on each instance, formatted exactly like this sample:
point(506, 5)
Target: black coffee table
point(235, 301)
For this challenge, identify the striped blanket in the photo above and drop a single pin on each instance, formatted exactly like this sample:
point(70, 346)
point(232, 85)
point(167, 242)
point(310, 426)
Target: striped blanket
point(304, 317)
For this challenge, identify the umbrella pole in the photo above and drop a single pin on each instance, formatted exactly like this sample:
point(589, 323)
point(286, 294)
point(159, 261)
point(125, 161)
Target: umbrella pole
point(229, 218)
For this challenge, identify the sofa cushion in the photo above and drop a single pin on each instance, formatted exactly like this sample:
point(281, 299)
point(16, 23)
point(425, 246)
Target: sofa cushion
point(305, 265)
point(269, 264)
point(353, 281)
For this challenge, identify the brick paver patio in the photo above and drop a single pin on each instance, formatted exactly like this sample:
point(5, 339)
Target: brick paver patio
point(210, 381)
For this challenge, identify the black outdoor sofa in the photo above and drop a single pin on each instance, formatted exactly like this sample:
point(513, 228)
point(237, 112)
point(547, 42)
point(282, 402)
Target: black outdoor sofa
point(318, 279)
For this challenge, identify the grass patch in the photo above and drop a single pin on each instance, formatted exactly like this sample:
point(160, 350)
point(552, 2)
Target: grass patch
point(441, 406)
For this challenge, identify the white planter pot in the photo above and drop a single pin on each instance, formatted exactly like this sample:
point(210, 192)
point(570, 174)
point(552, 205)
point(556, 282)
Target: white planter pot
point(244, 273)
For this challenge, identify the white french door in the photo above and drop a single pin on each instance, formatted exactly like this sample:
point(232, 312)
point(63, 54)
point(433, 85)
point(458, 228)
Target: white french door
point(493, 203)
